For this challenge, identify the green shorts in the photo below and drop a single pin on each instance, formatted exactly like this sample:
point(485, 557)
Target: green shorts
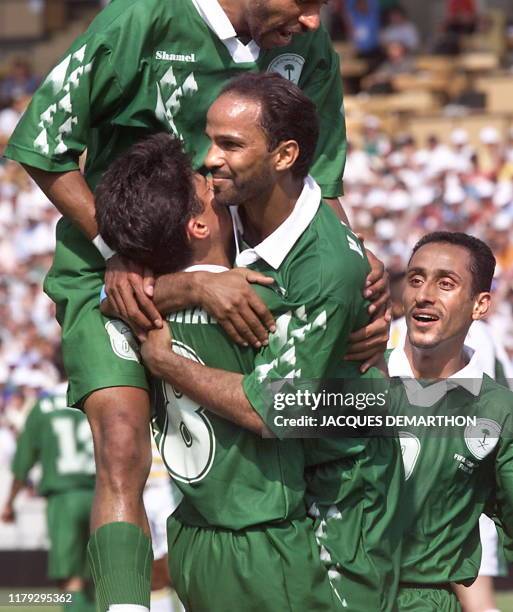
point(271, 568)
point(356, 506)
point(68, 528)
point(97, 352)
point(427, 599)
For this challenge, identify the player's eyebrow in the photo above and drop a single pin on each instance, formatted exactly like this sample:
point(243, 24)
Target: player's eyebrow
point(416, 270)
point(439, 273)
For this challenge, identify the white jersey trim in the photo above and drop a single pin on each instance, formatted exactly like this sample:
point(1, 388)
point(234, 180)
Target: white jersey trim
point(275, 248)
point(217, 20)
point(206, 268)
point(470, 378)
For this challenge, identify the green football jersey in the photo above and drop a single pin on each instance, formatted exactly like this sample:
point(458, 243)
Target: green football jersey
point(319, 267)
point(229, 477)
point(146, 66)
point(60, 439)
point(455, 475)
point(263, 480)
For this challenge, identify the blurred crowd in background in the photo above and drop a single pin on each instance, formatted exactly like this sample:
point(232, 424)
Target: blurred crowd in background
point(397, 188)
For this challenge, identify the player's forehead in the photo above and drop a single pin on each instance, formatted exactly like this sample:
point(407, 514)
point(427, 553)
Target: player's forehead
point(436, 258)
point(234, 113)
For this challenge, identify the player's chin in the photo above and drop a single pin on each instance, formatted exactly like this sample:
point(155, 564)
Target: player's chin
point(423, 339)
point(274, 39)
point(224, 197)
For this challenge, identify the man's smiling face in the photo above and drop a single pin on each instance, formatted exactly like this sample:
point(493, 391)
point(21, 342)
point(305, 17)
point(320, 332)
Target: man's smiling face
point(438, 298)
point(272, 23)
point(238, 158)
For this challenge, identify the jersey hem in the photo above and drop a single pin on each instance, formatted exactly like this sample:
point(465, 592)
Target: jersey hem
point(29, 157)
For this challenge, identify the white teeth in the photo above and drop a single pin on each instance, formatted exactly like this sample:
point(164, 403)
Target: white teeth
point(423, 317)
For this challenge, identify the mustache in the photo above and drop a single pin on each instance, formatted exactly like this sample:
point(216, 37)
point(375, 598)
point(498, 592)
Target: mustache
point(220, 175)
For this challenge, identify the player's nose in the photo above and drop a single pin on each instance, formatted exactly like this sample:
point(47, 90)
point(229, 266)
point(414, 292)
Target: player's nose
point(425, 293)
point(213, 159)
point(311, 20)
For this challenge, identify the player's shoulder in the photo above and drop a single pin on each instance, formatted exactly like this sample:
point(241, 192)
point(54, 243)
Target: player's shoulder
point(120, 12)
point(496, 397)
point(328, 262)
point(340, 251)
point(495, 403)
point(304, 58)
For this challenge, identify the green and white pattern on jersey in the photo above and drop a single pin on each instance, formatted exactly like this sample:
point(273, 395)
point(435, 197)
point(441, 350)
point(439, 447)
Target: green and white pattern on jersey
point(60, 439)
point(319, 284)
point(143, 67)
point(452, 478)
point(146, 66)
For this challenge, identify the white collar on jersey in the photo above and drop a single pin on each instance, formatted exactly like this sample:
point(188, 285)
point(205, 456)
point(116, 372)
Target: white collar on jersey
point(217, 20)
point(278, 245)
point(470, 378)
point(206, 268)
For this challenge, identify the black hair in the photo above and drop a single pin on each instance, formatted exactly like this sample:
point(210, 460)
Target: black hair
point(286, 113)
point(144, 201)
point(482, 265)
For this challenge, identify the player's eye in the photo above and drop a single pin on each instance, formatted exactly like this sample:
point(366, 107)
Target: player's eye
point(446, 284)
point(230, 145)
point(415, 281)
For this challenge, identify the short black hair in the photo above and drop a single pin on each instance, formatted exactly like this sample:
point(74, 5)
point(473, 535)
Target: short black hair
point(286, 113)
point(144, 201)
point(482, 266)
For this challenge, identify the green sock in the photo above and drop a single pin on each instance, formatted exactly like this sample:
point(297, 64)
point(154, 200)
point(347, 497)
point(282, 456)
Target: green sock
point(120, 558)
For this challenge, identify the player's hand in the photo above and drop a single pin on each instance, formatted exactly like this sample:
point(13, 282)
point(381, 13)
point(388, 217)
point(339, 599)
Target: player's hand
point(229, 298)
point(130, 290)
point(8, 515)
point(369, 343)
point(376, 287)
point(155, 348)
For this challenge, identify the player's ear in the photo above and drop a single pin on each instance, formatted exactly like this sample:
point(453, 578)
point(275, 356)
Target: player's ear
point(481, 305)
point(286, 154)
point(197, 229)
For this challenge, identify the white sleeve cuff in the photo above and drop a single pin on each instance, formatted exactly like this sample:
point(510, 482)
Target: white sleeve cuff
point(104, 249)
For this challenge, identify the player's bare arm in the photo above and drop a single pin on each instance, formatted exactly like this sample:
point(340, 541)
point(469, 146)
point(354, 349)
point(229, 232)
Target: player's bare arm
point(227, 296)
point(218, 390)
point(8, 514)
point(70, 194)
point(126, 281)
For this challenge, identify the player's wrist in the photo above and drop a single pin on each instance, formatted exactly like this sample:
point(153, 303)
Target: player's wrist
point(198, 281)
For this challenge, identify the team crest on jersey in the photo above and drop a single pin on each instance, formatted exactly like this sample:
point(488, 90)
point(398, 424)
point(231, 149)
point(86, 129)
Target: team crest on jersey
point(289, 65)
point(122, 340)
point(482, 437)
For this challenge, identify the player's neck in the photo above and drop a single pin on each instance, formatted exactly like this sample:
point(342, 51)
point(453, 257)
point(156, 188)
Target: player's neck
point(262, 217)
point(210, 255)
point(441, 361)
point(234, 10)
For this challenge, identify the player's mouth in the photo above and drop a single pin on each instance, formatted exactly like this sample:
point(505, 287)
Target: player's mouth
point(424, 319)
point(283, 36)
point(220, 179)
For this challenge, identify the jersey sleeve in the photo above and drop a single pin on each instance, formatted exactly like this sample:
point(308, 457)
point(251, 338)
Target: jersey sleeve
point(77, 94)
point(299, 355)
point(27, 448)
point(504, 494)
point(324, 87)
